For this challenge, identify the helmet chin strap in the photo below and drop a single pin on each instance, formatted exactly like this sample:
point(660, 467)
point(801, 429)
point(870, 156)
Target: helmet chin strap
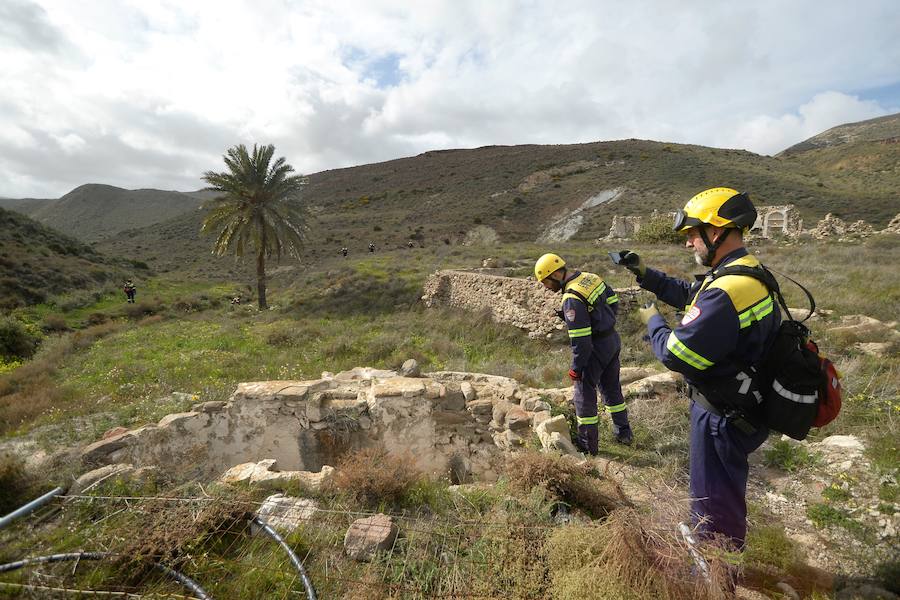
point(711, 247)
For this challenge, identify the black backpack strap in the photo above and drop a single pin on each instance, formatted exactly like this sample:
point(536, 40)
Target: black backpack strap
point(764, 275)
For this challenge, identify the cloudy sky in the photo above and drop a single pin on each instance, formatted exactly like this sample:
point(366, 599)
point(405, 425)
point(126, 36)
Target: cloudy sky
point(150, 93)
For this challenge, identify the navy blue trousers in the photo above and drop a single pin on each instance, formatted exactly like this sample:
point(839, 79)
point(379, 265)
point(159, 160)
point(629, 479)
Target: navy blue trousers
point(719, 471)
point(605, 375)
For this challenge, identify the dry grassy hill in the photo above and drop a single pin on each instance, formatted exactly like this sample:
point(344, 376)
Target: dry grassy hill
point(37, 262)
point(92, 212)
point(437, 197)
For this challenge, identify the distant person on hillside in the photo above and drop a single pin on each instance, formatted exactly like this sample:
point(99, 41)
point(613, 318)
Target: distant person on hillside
point(344, 251)
point(729, 321)
point(129, 290)
point(371, 246)
point(589, 308)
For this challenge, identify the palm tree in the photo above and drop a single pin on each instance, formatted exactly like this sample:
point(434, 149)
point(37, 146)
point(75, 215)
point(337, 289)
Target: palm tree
point(258, 206)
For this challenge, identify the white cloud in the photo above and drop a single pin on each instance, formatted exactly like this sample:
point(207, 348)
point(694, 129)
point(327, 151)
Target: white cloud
point(770, 135)
point(143, 93)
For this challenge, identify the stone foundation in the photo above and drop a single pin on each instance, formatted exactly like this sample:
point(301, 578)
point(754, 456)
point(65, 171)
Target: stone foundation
point(452, 424)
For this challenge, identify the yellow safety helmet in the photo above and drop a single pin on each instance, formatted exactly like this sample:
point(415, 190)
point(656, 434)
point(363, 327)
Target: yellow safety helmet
point(720, 206)
point(546, 265)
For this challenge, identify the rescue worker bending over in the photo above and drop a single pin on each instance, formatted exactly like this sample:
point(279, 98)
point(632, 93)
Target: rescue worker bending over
point(589, 309)
point(729, 324)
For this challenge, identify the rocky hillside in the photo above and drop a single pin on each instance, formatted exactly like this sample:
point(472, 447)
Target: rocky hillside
point(522, 193)
point(862, 158)
point(37, 262)
point(92, 212)
point(873, 130)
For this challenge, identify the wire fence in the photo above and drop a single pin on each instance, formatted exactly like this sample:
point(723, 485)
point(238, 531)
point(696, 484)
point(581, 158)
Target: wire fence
point(208, 547)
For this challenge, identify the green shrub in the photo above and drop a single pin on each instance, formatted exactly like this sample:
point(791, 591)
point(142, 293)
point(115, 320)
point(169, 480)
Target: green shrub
point(788, 456)
point(658, 229)
point(54, 324)
point(768, 545)
point(141, 309)
point(17, 340)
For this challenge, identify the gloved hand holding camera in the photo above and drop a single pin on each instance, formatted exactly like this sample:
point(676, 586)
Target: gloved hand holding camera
point(630, 260)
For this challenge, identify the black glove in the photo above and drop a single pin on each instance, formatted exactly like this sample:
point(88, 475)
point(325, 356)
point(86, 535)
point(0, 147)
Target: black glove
point(630, 260)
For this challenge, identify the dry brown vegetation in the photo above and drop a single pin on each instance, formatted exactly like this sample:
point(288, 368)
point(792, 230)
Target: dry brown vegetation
point(372, 477)
point(577, 484)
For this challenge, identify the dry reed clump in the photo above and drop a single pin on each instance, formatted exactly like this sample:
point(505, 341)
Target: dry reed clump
point(576, 484)
point(372, 476)
point(625, 558)
point(170, 532)
point(16, 484)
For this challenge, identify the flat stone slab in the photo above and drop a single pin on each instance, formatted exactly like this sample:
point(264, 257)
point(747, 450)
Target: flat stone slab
point(366, 537)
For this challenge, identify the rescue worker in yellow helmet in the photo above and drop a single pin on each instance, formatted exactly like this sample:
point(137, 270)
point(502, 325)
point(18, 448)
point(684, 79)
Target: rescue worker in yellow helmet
point(729, 323)
point(589, 309)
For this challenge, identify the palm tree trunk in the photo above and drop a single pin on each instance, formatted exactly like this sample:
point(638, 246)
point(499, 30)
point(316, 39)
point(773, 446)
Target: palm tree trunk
point(261, 279)
point(261, 270)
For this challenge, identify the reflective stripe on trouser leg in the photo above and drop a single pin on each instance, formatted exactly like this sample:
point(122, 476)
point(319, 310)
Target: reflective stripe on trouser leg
point(611, 390)
point(719, 471)
point(585, 401)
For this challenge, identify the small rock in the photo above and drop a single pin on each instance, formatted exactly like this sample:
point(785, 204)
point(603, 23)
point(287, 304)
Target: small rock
point(113, 432)
point(467, 390)
point(103, 473)
point(371, 535)
point(410, 368)
point(517, 418)
point(787, 590)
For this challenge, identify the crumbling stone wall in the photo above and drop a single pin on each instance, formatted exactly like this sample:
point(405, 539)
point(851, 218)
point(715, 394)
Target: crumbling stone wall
point(522, 303)
point(771, 220)
point(447, 423)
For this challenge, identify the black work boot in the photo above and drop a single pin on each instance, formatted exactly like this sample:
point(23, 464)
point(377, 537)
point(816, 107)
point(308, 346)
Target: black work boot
point(625, 437)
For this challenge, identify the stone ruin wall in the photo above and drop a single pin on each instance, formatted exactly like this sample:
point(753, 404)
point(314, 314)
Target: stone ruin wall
point(777, 220)
point(459, 424)
point(522, 303)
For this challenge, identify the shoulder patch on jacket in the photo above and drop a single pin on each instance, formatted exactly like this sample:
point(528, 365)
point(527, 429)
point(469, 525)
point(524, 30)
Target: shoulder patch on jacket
point(690, 315)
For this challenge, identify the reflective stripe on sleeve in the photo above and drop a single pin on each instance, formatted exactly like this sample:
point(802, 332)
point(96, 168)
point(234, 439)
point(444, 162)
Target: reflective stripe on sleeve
point(614, 408)
point(596, 293)
point(756, 312)
point(574, 333)
point(588, 420)
point(612, 299)
point(674, 345)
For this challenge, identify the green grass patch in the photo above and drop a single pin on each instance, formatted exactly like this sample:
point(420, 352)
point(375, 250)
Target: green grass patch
point(788, 456)
point(824, 515)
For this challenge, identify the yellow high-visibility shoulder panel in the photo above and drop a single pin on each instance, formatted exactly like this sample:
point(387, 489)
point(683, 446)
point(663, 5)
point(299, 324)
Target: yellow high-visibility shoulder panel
point(588, 285)
point(743, 291)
